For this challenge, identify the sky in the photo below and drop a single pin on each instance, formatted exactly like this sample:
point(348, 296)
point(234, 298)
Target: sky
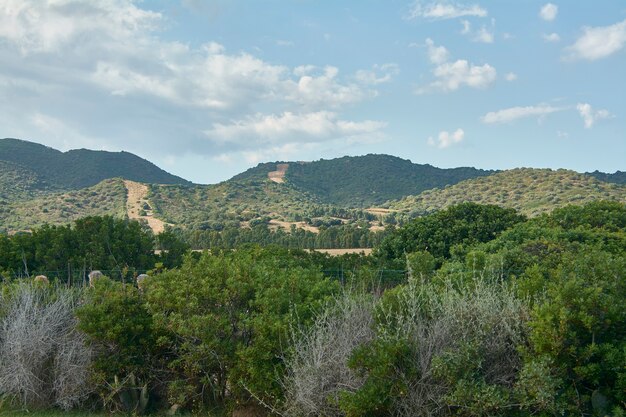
point(207, 89)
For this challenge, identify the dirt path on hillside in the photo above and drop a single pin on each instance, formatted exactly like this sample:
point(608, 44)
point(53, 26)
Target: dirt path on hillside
point(138, 207)
point(278, 175)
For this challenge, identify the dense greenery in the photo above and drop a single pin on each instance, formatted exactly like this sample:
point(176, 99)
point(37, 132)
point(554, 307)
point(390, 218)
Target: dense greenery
point(118, 247)
point(365, 181)
point(81, 167)
point(498, 315)
point(529, 191)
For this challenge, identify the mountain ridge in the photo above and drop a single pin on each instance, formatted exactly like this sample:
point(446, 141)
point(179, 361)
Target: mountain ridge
point(80, 168)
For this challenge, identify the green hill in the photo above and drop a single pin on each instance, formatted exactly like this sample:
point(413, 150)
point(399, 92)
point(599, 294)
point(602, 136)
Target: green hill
point(238, 203)
point(530, 191)
point(18, 182)
point(80, 168)
point(107, 197)
point(364, 181)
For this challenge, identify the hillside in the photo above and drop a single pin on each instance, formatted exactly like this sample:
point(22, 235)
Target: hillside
point(18, 182)
point(239, 203)
point(618, 177)
point(530, 191)
point(364, 181)
point(80, 168)
point(107, 197)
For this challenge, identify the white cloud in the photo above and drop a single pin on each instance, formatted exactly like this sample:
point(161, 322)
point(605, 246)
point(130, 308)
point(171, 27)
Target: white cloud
point(598, 42)
point(467, 27)
point(446, 139)
point(591, 116)
point(515, 113)
point(378, 74)
point(552, 37)
point(263, 130)
point(562, 134)
point(437, 54)
point(101, 60)
point(511, 76)
point(443, 10)
point(484, 35)
point(450, 76)
point(282, 42)
point(549, 11)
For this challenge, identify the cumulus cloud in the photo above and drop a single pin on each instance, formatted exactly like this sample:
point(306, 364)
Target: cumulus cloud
point(552, 37)
point(440, 10)
point(549, 11)
point(437, 54)
point(514, 113)
point(484, 35)
point(511, 76)
point(379, 74)
point(598, 42)
point(274, 129)
point(450, 76)
point(446, 139)
point(76, 65)
point(591, 116)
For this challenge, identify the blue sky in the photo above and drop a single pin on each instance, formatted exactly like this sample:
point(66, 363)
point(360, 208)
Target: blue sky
point(206, 89)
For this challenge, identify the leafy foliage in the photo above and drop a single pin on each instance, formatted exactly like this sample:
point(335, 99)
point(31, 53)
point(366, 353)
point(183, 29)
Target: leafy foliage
point(464, 224)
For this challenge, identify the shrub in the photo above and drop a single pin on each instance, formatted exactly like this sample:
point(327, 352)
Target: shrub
point(44, 360)
point(317, 369)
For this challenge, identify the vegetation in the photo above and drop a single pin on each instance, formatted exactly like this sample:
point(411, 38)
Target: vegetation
point(81, 168)
point(529, 191)
point(618, 177)
point(105, 198)
point(365, 181)
point(497, 315)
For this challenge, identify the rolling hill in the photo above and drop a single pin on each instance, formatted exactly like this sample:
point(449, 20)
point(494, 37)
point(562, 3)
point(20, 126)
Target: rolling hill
point(78, 168)
point(363, 181)
point(530, 191)
point(105, 198)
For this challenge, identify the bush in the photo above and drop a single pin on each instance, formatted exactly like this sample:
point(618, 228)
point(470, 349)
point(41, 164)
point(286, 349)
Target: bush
point(317, 370)
point(44, 360)
point(441, 350)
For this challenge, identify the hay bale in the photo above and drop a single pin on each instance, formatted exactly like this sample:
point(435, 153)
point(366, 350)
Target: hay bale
point(43, 279)
point(141, 281)
point(94, 276)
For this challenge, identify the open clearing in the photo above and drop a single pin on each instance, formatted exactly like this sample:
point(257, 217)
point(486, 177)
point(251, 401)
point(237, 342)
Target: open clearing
point(339, 252)
point(278, 175)
point(137, 204)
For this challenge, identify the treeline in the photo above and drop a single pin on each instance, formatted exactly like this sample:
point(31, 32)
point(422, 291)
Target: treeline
point(497, 315)
point(333, 237)
point(119, 247)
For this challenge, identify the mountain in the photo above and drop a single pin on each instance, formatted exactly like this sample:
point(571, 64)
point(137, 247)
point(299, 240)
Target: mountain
point(530, 191)
point(78, 168)
point(363, 181)
point(618, 177)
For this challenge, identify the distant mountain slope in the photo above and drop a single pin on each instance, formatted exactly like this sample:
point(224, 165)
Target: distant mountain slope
point(18, 182)
point(233, 203)
point(107, 197)
point(81, 168)
point(618, 177)
point(530, 191)
point(364, 181)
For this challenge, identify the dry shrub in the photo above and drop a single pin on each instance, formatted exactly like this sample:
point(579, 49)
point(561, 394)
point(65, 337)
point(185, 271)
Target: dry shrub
point(44, 360)
point(317, 371)
point(486, 316)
